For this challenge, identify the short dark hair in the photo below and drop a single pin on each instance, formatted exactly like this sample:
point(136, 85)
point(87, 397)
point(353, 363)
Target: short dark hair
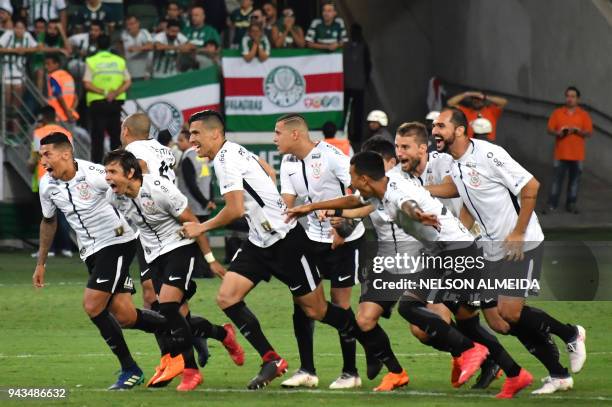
point(292, 117)
point(98, 23)
point(458, 118)
point(329, 3)
point(40, 20)
point(380, 145)
point(208, 116)
point(416, 129)
point(208, 42)
point(575, 89)
point(130, 16)
point(104, 42)
point(369, 163)
point(126, 160)
point(54, 57)
point(173, 23)
point(48, 113)
point(164, 137)
point(329, 129)
point(56, 139)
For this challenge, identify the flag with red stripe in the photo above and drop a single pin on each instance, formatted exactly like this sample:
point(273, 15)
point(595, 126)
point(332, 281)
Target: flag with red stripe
point(170, 101)
point(302, 81)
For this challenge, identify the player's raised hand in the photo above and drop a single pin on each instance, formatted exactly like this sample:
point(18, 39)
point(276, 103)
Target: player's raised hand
point(297, 212)
point(514, 245)
point(192, 230)
point(38, 278)
point(217, 268)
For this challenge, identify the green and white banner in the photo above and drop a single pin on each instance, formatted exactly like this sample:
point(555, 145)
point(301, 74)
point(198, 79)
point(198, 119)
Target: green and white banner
point(170, 101)
point(301, 81)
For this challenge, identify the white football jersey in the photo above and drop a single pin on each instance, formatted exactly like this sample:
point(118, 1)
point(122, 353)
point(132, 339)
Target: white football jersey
point(489, 182)
point(238, 169)
point(400, 190)
point(322, 175)
point(155, 213)
point(160, 159)
point(438, 166)
point(83, 201)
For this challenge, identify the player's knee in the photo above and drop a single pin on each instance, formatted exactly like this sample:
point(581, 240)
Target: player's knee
point(92, 308)
point(311, 312)
point(125, 319)
point(418, 333)
point(225, 300)
point(366, 321)
point(148, 297)
point(510, 314)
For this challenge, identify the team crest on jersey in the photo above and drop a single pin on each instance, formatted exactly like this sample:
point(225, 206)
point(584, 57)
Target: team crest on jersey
point(316, 170)
point(474, 178)
point(84, 191)
point(148, 206)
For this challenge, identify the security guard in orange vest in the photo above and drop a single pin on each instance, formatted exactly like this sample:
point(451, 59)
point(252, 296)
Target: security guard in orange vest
point(106, 80)
point(61, 92)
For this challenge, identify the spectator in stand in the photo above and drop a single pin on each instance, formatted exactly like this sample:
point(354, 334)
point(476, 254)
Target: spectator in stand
point(83, 45)
point(92, 10)
point(173, 12)
point(52, 40)
point(377, 124)
point(476, 104)
point(198, 33)
point(270, 13)
point(255, 44)
point(137, 48)
point(61, 90)
point(329, 132)
point(47, 10)
point(570, 125)
point(287, 34)
point(167, 46)
point(213, 54)
point(6, 12)
point(115, 11)
point(328, 32)
point(15, 45)
point(45, 126)
point(357, 69)
point(106, 80)
point(240, 20)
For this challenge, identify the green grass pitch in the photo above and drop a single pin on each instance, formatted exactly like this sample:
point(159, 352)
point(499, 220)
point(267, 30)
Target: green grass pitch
point(46, 340)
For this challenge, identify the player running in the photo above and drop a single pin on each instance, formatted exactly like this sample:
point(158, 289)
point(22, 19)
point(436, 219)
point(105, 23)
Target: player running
point(106, 244)
point(412, 208)
point(156, 159)
point(431, 168)
point(316, 172)
point(274, 248)
point(501, 195)
point(158, 209)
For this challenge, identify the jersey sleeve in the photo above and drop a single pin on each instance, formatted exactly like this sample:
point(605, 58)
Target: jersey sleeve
point(227, 168)
point(4, 39)
point(170, 198)
point(47, 205)
point(552, 122)
point(311, 33)
point(507, 171)
point(341, 165)
point(587, 123)
point(444, 163)
point(285, 179)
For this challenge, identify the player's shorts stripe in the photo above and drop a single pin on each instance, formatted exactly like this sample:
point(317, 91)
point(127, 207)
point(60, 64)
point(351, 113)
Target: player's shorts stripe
point(356, 266)
point(191, 261)
point(117, 272)
point(308, 272)
point(236, 254)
